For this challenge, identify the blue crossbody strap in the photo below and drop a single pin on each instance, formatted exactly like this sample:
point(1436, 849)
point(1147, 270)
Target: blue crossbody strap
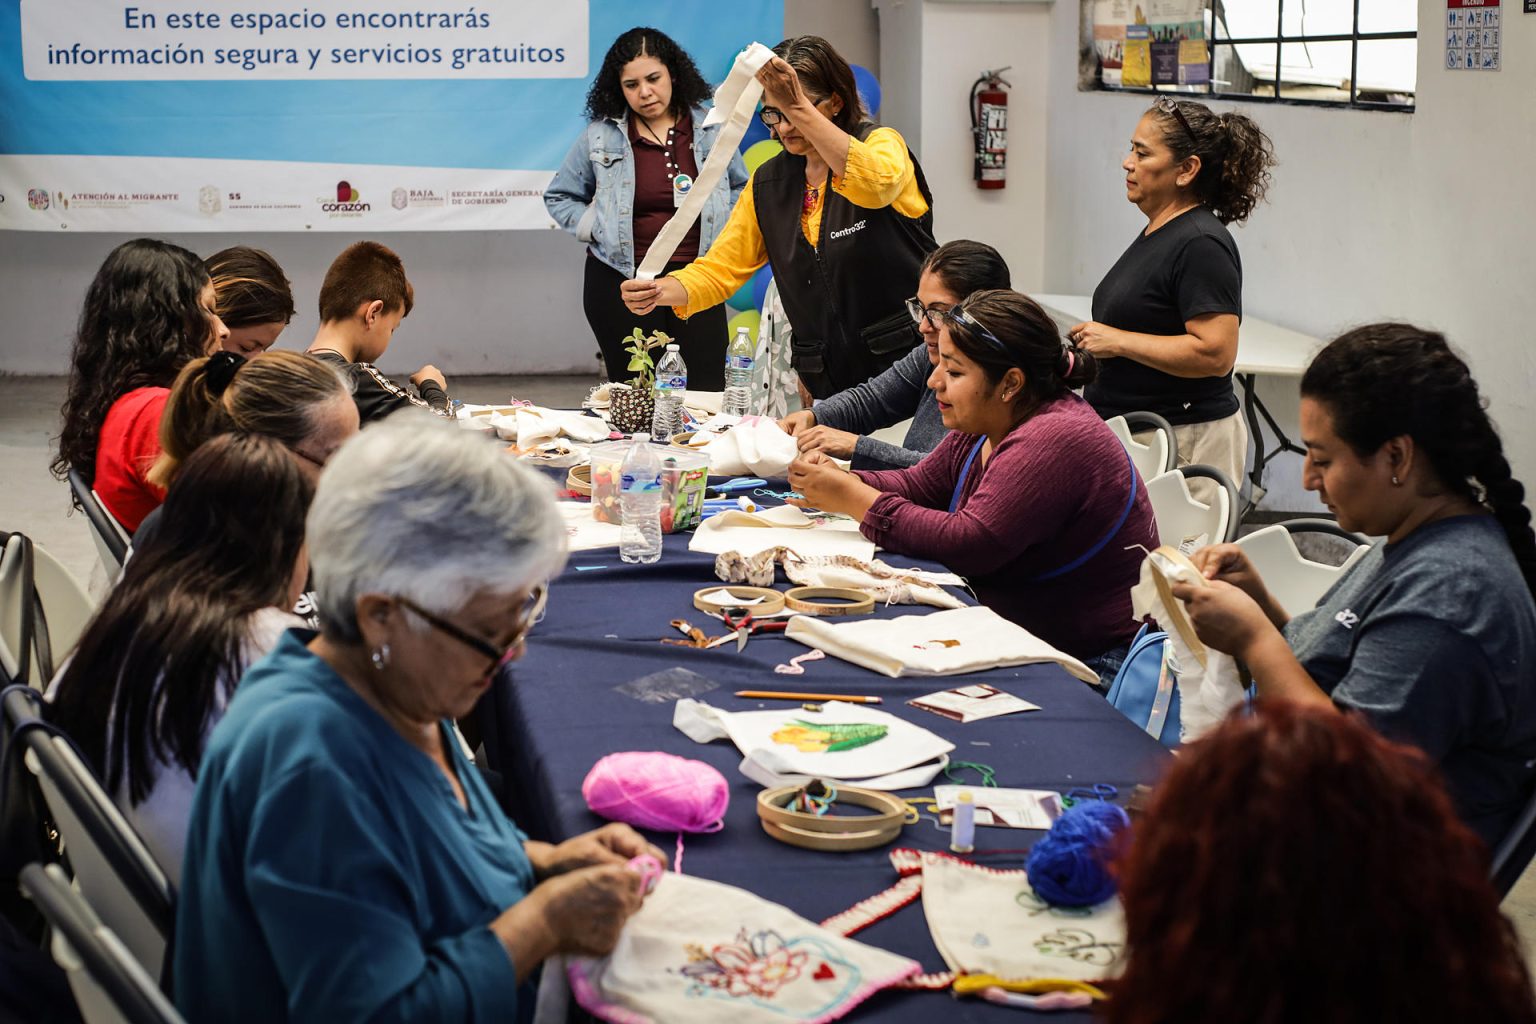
point(1130, 500)
point(965, 471)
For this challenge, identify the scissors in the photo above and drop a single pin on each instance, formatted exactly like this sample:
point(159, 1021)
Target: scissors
point(745, 625)
point(1098, 791)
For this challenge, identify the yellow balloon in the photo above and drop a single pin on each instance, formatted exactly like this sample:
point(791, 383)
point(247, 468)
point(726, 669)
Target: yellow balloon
point(750, 319)
point(759, 152)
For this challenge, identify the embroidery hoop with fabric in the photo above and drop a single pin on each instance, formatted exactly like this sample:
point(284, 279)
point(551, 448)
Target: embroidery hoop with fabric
point(1167, 562)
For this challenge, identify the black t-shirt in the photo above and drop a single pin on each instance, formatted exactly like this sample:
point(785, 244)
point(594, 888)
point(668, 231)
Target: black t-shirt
point(376, 395)
point(1187, 268)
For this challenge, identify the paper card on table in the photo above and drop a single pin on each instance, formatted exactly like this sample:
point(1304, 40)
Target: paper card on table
point(1002, 808)
point(583, 533)
point(972, 703)
point(667, 686)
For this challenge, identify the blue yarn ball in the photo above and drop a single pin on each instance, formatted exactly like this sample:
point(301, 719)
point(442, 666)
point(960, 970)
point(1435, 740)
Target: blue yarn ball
point(1068, 867)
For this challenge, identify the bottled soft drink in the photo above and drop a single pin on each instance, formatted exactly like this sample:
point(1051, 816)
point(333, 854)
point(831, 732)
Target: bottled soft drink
point(737, 400)
point(640, 503)
point(671, 382)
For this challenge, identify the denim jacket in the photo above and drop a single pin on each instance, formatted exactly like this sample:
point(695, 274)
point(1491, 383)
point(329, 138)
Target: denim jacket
point(593, 193)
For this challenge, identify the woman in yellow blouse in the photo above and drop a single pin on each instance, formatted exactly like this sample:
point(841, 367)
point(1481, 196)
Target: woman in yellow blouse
point(844, 216)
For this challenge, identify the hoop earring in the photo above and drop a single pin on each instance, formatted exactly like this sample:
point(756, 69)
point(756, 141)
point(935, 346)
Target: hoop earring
point(381, 657)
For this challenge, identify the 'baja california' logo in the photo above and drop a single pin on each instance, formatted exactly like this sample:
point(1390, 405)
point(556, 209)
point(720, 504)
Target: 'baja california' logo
point(209, 201)
point(37, 198)
point(399, 199)
point(346, 200)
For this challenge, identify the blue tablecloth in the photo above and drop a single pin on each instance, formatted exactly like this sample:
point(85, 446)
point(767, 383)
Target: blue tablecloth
point(556, 711)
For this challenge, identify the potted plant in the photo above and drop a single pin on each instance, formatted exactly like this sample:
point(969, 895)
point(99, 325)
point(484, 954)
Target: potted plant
point(632, 406)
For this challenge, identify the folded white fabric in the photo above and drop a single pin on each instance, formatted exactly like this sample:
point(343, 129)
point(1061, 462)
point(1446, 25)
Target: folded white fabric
point(582, 532)
point(853, 743)
point(531, 425)
point(1208, 681)
point(700, 952)
point(885, 584)
point(756, 445)
point(784, 526)
point(937, 644)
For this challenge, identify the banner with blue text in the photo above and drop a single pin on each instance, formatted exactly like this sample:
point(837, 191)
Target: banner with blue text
point(313, 115)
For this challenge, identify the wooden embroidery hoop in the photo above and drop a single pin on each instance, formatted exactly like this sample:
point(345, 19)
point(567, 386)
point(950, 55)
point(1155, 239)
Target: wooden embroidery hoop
point(772, 600)
point(1176, 610)
point(834, 833)
point(803, 599)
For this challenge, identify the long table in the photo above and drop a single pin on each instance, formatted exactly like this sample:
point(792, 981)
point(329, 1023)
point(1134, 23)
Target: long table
point(556, 711)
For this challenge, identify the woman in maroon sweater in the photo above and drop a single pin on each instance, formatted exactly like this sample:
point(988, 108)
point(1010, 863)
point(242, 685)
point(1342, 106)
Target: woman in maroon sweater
point(1030, 497)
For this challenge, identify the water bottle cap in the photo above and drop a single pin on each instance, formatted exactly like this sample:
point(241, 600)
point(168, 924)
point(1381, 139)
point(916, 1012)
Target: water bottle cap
point(641, 437)
point(672, 348)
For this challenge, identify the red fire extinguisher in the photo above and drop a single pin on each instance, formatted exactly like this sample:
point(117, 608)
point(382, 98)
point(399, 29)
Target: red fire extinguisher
point(989, 124)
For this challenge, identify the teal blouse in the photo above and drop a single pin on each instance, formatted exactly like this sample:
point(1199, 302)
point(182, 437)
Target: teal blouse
point(330, 873)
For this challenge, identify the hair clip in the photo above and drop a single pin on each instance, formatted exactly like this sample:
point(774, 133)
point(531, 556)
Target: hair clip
point(220, 370)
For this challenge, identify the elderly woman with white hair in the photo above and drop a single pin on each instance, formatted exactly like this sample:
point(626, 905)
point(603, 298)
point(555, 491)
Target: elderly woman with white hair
point(345, 861)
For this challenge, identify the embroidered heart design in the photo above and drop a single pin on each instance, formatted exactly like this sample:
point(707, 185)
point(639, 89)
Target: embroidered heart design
point(824, 972)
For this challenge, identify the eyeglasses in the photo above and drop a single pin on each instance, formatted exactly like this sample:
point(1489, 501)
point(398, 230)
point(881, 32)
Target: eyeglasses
point(1169, 105)
point(771, 116)
point(960, 316)
point(920, 312)
point(533, 612)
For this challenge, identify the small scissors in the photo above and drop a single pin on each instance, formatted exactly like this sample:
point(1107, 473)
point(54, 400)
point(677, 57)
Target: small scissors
point(1098, 791)
point(745, 625)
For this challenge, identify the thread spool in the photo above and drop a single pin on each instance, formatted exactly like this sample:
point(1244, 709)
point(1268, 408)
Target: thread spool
point(962, 835)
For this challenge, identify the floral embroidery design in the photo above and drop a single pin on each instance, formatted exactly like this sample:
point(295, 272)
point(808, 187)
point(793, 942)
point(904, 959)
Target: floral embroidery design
point(818, 738)
point(756, 965)
point(1037, 906)
point(1079, 945)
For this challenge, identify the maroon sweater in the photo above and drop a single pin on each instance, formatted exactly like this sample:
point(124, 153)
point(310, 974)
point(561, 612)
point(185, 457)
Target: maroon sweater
point(1050, 492)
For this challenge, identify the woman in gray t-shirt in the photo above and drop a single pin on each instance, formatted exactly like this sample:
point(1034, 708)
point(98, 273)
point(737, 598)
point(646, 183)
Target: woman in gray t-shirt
point(1432, 634)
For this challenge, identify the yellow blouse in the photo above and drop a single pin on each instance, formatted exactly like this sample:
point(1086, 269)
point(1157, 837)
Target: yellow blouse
point(880, 173)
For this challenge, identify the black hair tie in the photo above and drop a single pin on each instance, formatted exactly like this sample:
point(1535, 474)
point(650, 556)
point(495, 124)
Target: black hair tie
point(221, 369)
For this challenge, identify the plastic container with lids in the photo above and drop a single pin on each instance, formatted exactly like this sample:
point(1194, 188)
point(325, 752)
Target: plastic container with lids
point(683, 478)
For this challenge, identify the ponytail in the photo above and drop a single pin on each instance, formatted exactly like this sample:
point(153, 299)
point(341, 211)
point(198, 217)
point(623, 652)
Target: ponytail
point(194, 413)
point(1388, 380)
point(1235, 155)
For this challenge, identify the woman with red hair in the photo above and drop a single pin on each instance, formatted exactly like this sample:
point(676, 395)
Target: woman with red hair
point(1296, 866)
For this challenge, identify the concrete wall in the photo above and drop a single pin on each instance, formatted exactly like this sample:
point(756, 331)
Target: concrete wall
point(1423, 217)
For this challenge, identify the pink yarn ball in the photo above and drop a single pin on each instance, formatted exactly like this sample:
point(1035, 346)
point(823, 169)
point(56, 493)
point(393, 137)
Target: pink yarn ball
point(663, 792)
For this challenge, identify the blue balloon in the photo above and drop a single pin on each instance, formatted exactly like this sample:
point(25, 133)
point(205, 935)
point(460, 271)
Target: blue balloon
point(760, 282)
point(756, 132)
point(869, 88)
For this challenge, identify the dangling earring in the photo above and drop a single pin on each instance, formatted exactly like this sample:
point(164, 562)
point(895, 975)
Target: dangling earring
point(381, 657)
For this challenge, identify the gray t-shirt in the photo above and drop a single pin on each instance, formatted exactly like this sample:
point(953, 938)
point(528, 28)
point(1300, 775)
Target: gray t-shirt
point(883, 401)
point(1434, 639)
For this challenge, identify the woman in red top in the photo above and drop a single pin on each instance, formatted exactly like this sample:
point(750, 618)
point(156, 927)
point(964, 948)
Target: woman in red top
point(147, 314)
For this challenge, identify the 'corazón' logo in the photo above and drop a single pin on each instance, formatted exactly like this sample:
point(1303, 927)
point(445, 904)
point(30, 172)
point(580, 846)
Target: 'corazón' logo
point(346, 200)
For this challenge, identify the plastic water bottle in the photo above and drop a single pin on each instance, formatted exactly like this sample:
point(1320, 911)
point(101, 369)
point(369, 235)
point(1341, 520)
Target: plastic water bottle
point(640, 503)
point(737, 400)
point(671, 382)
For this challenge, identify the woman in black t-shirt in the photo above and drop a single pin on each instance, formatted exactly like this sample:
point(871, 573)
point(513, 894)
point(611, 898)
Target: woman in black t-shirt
point(1165, 317)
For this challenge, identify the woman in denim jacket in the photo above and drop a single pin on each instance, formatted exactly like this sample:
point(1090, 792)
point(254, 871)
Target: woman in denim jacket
point(623, 179)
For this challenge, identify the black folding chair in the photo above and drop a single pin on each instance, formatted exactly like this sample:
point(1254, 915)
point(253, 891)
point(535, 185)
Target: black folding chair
point(109, 984)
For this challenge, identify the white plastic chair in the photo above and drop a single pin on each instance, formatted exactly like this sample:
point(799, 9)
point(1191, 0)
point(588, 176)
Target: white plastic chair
point(108, 535)
point(1153, 459)
point(1295, 580)
point(66, 607)
point(109, 985)
point(1182, 520)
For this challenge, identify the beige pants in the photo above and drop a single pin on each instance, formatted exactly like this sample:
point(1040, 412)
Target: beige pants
point(1219, 443)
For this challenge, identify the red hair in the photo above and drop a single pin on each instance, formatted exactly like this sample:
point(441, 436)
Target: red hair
point(1296, 866)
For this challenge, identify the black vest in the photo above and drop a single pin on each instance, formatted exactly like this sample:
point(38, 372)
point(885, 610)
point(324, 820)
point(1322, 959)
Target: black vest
point(845, 295)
